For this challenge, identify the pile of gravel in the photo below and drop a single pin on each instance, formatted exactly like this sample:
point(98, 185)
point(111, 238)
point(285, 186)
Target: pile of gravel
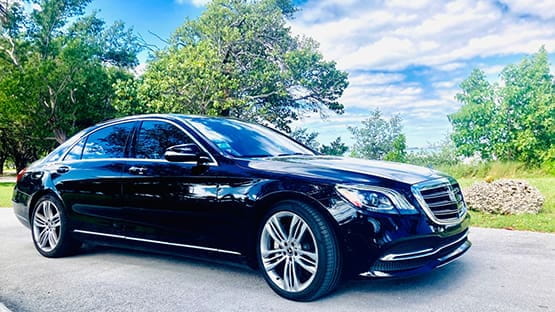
point(504, 196)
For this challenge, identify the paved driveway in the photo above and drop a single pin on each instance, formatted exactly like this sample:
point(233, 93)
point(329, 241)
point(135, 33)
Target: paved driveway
point(503, 271)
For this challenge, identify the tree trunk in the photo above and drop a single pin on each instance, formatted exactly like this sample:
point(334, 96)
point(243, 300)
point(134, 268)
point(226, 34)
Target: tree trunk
point(60, 135)
point(20, 162)
point(2, 162)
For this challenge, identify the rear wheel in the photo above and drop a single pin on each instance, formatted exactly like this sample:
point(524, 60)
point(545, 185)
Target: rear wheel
point(50, 228)
point(298, 252)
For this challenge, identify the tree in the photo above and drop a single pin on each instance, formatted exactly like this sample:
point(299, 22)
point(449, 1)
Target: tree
point(378, 138)
point(336, 148)
point(512, 120)
point(57, 70)
point(305, 137)
point(240, 59)
point(398, 150)
point(474, 125)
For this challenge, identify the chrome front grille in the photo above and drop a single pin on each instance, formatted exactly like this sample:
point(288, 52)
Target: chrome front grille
point(441, 199)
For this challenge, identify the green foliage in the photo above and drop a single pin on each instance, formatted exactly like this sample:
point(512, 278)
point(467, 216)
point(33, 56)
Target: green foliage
point(336, 148)
point(57, 71)
point(437, 155)
point(239, 59)
point(378, 138)
point(399, 149)
point(513, 120)
point(495, 170)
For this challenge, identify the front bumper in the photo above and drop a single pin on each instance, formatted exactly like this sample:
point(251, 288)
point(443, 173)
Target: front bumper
point(392, 264)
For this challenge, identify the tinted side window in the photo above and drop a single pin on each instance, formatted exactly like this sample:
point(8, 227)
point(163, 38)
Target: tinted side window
point(108, 142)
point(156, 136)
point(76, 151)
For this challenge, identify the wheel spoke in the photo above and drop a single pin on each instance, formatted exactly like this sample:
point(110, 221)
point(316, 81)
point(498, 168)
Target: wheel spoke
point(43, 238)
point(274, 229)
point(287, 275)
point(293, 227)
point(47, 211)
point(279, 230)
point(270, 264)
point(308, 265)
point(295, 279)
point(51, 239)
point(267, 253)
point(300, 232)
point(290, 279)
point(40, 220)
point(56, 220)
point(308, 255)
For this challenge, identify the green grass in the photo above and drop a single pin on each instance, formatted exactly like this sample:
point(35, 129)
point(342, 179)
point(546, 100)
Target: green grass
point(6, 189)
point(497, 170)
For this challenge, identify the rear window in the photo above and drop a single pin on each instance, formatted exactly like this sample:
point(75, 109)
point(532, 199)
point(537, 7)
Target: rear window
point(76, 151)
point(108, 142)
point(57, 153)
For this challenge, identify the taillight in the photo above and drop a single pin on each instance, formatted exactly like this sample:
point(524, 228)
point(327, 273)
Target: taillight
point(20, 175)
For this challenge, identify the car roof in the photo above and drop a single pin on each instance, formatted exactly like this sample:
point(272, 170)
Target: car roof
point(163, 116)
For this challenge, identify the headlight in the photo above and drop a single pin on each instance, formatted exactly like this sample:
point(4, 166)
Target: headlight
point(376, 199)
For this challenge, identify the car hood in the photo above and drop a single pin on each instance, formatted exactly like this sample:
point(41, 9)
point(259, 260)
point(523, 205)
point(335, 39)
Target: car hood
point(344, 169)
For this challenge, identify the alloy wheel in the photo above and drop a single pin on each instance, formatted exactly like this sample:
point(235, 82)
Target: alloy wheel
point(289, 251)
point(47, 226)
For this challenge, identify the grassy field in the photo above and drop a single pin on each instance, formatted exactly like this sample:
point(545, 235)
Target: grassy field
point(6, 189)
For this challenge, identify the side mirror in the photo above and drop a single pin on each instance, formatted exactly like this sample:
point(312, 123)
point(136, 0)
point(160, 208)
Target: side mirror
point(185, 152)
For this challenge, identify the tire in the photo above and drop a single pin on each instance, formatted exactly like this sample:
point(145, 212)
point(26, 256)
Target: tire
point(50, 229)
point(303, 261)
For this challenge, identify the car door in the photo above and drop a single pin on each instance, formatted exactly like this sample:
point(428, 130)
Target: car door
point(89, 178)
point(173, 201)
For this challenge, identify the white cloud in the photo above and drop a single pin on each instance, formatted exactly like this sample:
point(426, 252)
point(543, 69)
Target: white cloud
point(542, 8)
point(492, 70)
point(140, 69)
point(444, 84)
point(197, 3)
point(374, 78)
point(359, 35)
point(409, 57)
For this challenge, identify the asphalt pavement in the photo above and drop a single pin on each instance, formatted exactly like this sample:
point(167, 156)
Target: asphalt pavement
point(503, 271)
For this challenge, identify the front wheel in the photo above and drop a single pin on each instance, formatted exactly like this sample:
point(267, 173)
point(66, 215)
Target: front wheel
point(298, 252)
point(50, 228)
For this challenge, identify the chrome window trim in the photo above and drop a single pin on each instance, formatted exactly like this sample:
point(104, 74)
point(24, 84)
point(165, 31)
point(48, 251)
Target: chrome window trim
point(422, 186)
point(213, 161)
point(157, 242)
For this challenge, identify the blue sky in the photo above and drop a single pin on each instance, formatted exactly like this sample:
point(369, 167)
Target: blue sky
point(404, 57)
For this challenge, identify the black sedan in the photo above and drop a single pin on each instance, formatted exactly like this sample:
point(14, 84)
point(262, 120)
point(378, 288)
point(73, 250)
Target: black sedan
point(211, 187)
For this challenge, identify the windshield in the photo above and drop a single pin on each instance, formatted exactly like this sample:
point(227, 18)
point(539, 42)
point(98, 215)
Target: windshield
point(241, 139)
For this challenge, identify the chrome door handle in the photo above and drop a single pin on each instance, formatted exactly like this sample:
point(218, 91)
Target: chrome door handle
point(137, 170)
point(62, 169)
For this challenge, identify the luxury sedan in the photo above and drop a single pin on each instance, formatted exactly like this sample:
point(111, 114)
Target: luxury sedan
point(221, 187)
